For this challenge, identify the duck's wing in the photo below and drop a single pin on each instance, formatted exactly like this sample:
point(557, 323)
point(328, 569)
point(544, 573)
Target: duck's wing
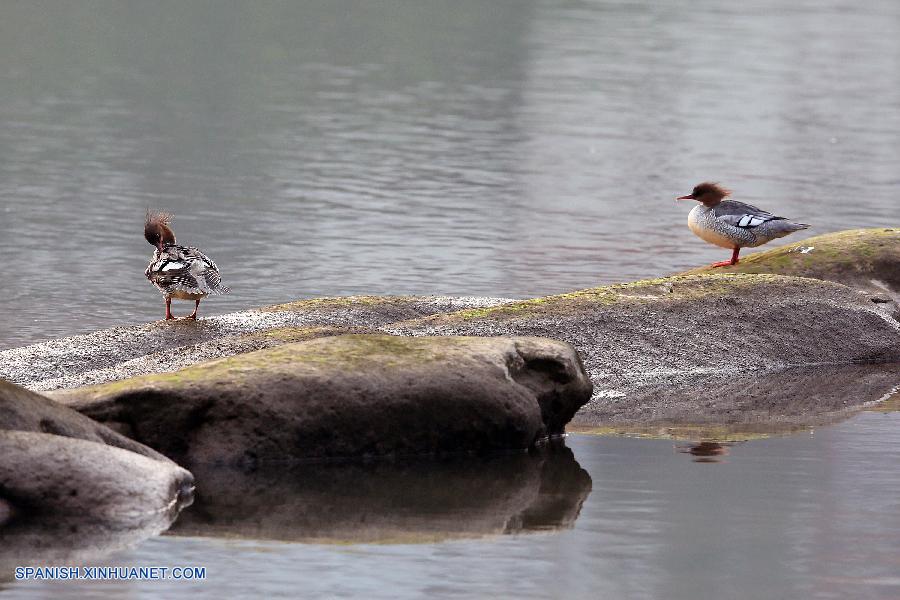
point(186, 269)
point(743, 215)
point(204, 271)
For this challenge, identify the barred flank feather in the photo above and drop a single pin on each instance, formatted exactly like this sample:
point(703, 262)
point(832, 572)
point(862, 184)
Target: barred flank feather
point(181, 269)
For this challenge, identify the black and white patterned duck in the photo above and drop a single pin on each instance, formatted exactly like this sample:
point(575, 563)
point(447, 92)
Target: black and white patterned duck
point(180, 272)
point(732, 224)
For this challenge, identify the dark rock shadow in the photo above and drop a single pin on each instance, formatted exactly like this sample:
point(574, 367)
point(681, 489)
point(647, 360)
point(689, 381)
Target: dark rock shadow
point(391, 502)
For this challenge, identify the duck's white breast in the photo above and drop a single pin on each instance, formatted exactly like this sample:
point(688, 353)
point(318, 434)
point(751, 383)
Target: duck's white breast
point(702, 222)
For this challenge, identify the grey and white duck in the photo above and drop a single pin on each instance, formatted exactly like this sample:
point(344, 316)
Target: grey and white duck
point(732, 224)
point(180, 272)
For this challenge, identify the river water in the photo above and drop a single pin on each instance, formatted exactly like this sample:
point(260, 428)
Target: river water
point(511, 148)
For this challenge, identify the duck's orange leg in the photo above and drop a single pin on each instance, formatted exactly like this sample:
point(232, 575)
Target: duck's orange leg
point(193, 315)
point(169, 315)
point(727, 263)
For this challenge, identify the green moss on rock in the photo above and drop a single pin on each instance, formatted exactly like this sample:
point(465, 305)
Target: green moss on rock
point(318, 304)
point(674, 289)
point(851, 257)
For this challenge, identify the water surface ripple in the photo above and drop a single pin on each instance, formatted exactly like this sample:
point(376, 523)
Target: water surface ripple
point(513, 149)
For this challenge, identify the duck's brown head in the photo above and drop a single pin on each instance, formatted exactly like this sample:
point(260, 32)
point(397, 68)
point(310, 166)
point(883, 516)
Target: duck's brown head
point(157, 230)
point(707, 193)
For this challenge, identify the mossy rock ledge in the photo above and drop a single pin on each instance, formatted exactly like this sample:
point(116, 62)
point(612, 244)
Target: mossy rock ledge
point(61, 472)
point(349, 396)
point(866, 259)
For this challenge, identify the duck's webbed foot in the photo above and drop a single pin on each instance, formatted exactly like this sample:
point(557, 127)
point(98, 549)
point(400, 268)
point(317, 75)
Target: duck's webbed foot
point(193, 315)
point(724, 263)
point(728, 263)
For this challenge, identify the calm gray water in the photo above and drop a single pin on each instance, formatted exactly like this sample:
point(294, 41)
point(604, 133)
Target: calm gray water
point(506, 148)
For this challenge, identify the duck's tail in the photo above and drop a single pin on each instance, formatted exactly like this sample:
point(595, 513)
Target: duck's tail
point(786, 226)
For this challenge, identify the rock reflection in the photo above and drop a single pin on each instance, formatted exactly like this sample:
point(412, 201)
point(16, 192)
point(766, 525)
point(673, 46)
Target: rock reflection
point(401, 502)
point(725, 407)
point(66, 540)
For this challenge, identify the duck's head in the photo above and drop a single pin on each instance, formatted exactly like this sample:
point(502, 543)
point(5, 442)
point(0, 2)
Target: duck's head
point(707, 193)
point(157, 230)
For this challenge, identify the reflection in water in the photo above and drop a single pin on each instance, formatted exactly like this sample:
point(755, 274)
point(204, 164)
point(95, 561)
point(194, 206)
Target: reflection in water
point(419, 501)
point(734, 405)
point(705, 452)
point(66, 540)
point(817, 514)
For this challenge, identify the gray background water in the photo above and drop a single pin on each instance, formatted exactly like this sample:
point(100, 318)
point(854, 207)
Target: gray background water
point(511, 147)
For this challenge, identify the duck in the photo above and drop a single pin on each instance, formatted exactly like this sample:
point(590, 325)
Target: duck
point(180, 272)
point(731, 224)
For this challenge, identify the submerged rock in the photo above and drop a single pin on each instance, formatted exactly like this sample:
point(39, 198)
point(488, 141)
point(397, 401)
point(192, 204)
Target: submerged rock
point(867, 259)
point(351, 395)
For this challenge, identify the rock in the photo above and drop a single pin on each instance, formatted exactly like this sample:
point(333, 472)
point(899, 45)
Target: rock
point(636, 339)
point(172, 359)
point(56, 475)
point(635, 336)
point(866, 259)
point(71, 500)
point(23, 410)
point(62, 473)
point(351, 395)
point(127, 351)
point(410, 501)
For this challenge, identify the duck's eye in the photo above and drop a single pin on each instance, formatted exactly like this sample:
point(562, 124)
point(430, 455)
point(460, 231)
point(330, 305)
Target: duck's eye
point(696, 192)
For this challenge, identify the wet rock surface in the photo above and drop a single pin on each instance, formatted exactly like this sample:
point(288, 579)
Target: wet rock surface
point(642, 339)
point(391, 502)
point(351, 395)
